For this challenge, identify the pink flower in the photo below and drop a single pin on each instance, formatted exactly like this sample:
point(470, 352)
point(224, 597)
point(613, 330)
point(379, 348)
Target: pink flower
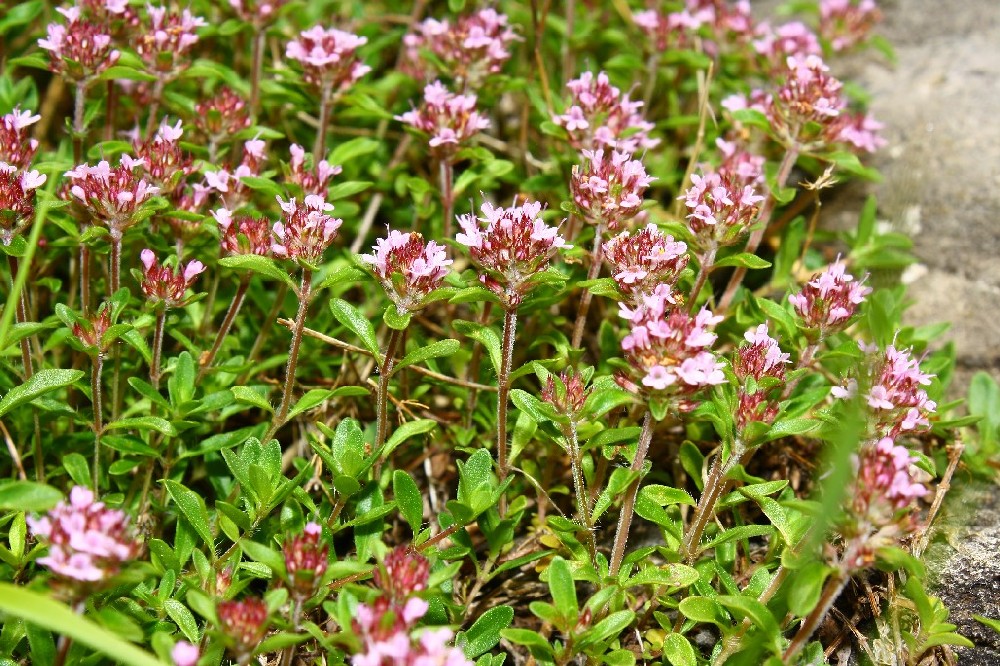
point(167, 39)
point(722, 209)
point(408, 268)
point(450, 120)
point(328, 57)
point(113, 196)
point(858, 129)
point(828, 301)
point(763, 361)
point(312, 181)
point(469, 50)
point(306, 560)
point(17, 148)
point(243, 234)
point(222, 115)
point(307, 230)
point(609, 187)
point(185, 654)
point(845, 23)
point(79, 50)
point(896, 397)
point(163, 284)
point(87, 541)
point(884, 476)
point(645, 259)
point(599, 116)
point(244, 623)
point(514, 247)
point(256, 12)
point(166, 164)
point(17, 200)
point(788, 39)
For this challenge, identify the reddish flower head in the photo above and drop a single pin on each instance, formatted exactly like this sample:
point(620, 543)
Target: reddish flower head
point(328, 57)
point(16, 147)
point(312, 181)
point(609, 186)
point(79, 50)
point(244, 623)
point(722, 209)
point(222, 115)
point(112, 195)
point(307, 230)
point(306, 559)
point(599, 116)
point(403, 573)
point(243, 234)
point(514, 246)
point(161, 284)
point(17, 200)
point(762, 360)
point(845, 23)
point(87, 541)
point(568, 394)
point(165, 41)
point(642, 260)
point(167, 165)
point(256, 12)
point(449, 119)
point(828, 301)
point(408, 268)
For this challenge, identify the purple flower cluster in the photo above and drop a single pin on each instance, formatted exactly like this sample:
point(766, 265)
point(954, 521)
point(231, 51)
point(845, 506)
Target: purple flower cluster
point(167, 165)
point(79, 50)
point(222, 115)
point(514, 246)
point(884, 474)
point(788, 39)
point(243, 234)
point(740, 166)
point(720, 23)
point(167, 39)
point(312, 181)
point(408, 268)
point(307, 230)
point(845, 23)
point(163, 284)
point(306, 560)
point(328, 57)
point(644, 259)
point(16, 147)
point(762, 360)
point(112, 196)
point(609, 186)
point(226, 181)
point(17, 200)
point(87, 541)
point(828, 301)
point(722, 208)
point(600, 116)
point(668, 348)
point(449, 119)
point(469, 50)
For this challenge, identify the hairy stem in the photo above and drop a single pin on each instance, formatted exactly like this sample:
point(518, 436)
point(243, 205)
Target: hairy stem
point(227, 323)
point(116, 264)
point(382, 397)
point(706, 264)
point(446, 173)
point(503, 384)
point(831, 591)
point(440, 536)
point(96, 368)
point(319, 149)
point(305, 291)
point(154, 367)
point(628, 505)
point(705, 510)
point(257, 68)
point(595, 268)
point(580, 487)
point(21, 317)
point(784, 170)
point(79, 104)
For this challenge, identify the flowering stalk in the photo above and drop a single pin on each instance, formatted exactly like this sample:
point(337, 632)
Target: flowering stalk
point(79, 99)
point(257, 68)
point(503, 380)
point(706, 262)
point(447, 176)
point(382, 397)
point(325, 101)
point(714, 486)
point(304, 293)
point(97, 366)
point(592, 273)
point(154, 368)
point(227, 323)
point(21, 316)
point(628, 505)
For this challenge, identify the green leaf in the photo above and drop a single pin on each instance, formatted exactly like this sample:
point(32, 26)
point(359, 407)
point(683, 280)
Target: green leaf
point(183, 618)
point(267, 556)
point(678, 650)
point(40, 610)
point(347, 188)
point(988, 621)
point(353, 149)
point(312, 398)
point(664, 495)
point(751, 117)
point(563, 590)
point(485, 632)
point(264, 266)
point(434, 350)
point(351, 317)
point(77, 468)
point(406, 431)
point(703, 609)
point(744, 259)
point(806, 587)
point(753, 609)
point(409, 500)
point(28, 496)
point(42, 382)
point(162, 426)
point(790, 427)
point(609, 627)
point(121, 72)
point(192, 506)
point(181, 385)
point(485, 336)
point(738, 533)
point(252, 395)
point(396, 319)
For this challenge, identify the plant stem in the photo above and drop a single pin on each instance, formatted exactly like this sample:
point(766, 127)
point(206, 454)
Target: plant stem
point(382, 397)
point(784, 170)
point(227, 323)
point(79, 104)
point(154, 368)
point(831, 591)
point(628, 505)
point(96, 368)
point(706, 504)
point(580, 487)
point(257, 68)
point(503, 389)
point(319, 149)
point(440, 536)
point(305, 291)
point(706, 264)
point(595, 268)
point(446, 173)
point(116, 264)
point(265, 329)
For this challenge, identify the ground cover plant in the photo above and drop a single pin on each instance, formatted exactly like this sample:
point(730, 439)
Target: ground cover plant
point(392, 333)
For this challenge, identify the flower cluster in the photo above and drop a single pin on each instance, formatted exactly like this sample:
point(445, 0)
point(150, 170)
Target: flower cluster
point(17, 200)
point(788, 39)
point(449, 119)
point(311, 181)
point(669, 348)
point(222, 115)
point(469, 50)
point(244, 624)
point(722, 208)
point(741, 167)
point(227, 183)
point(87, 541)
point(724, 23)
point(255, 12)
point(112, 195)
point(79, 50)
point(243, 234)
point(860, 130)
point(307, 230)
point(567, 394)
point(845, 23)
point(328, 57)
point(644, 259)
point(167, 38)
point(90, 330)
point(609, 187)
point(408, 268)
point(828, 301)
point(762, 360)
point(385, 625)
point(884, 475)
point(600, 116)
point(167, 165)
point(514, 247)
point(306, 560)
point(185, 654)
point(16, 147)
point(162, 284)
point(896, 400)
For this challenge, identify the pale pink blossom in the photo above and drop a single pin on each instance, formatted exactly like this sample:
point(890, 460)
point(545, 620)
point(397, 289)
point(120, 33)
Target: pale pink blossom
point(449, 120)
point(166, 285)
point(598, 115)
point(643, 260)
point(328, 57)
point(306, 231)
point(609, 186)
point(408, 268)
point(828, 301)
point(185, 654)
